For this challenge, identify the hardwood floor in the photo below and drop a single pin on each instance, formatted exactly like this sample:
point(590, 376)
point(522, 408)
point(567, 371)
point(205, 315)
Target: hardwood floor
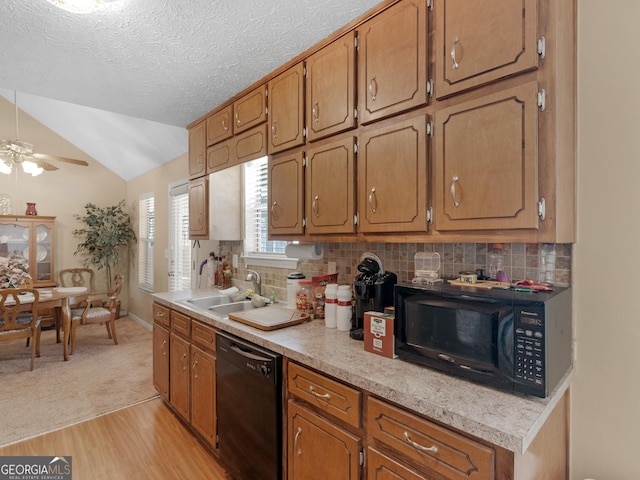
point(145, 441)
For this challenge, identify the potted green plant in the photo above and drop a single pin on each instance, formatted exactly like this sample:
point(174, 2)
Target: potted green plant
point(106, 234)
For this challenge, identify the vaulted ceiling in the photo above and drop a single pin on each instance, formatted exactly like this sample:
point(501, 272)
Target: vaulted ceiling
point(122, 83)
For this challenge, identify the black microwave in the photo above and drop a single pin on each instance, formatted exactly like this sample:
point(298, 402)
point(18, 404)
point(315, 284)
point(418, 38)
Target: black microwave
point(513, 341)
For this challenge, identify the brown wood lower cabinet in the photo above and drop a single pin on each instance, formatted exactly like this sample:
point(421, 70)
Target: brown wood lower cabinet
point(184, 370)
point(382, 467)
point(318, 449)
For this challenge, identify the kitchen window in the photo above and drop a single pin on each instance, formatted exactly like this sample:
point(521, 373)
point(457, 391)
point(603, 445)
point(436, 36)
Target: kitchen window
point(179, 243)
point(258, 249)
point(146, 234)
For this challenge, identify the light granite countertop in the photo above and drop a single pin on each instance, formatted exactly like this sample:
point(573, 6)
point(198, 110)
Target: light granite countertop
point(508, 420)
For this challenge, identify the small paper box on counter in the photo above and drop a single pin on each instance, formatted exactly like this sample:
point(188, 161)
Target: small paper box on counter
point(379, 334)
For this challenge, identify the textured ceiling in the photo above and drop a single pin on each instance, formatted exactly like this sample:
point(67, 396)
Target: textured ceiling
point(164, 61)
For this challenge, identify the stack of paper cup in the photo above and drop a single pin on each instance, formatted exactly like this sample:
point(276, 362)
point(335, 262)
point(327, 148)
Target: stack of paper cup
point(343, 311)
point(330, 305)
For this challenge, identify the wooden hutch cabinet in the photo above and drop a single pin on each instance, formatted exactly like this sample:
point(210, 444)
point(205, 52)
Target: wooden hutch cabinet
point(33, 238)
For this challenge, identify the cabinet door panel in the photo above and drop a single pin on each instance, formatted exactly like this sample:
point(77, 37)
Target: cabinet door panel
point(331, 99)
point(219, 126)
point(330, 187)
point(286, 109)
point(249, 145)
point(250, 110)
point(161, 360)
point(197, 150)
point(199, 208)
point(219, 156)
point(392, 177)
point(203, 394)
point(486, 162)
point(318, 449)
point(392, 65)
point(479, 42)
point(179, 376)
point(286, 194)
point(381, 467)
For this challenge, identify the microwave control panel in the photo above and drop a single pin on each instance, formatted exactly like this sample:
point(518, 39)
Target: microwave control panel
point(529, 347)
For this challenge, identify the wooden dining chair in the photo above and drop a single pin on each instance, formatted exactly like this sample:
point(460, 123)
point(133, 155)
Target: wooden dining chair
point(19, 319)
point(99, 310)
point(77, 277)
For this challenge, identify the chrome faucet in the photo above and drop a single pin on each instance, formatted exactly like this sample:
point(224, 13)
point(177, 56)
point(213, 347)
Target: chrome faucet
point(254, 277)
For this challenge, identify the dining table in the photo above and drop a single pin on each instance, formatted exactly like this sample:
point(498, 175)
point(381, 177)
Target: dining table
point(60, 299)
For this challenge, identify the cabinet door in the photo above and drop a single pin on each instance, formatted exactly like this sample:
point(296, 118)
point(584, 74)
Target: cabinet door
point(161, 360)
point(286, 109)
point(330, 196)
point(382, 467)
point(197, 150)
point(199, 208)
point(331, 88)
point(486, 162)
point(250, 110)
point(219, 126)
point(179, 375)
point(286, 190)
point(392, 61)
point(219, 156)
point(203, 394)
point(479, 42)
point(392, 177)
point(318, 450)
point(249, 145)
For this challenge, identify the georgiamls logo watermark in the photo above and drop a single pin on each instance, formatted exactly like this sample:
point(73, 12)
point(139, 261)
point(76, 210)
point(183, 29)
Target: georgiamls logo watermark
point(35, 468)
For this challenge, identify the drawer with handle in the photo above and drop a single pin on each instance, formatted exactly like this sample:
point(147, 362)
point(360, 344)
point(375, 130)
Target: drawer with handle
point(335, 398)
point(161, 315)
point(180, 324)
point(203, 336)
point(429, 445)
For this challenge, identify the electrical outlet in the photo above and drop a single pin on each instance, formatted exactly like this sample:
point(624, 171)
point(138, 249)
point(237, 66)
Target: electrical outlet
point(331, 267)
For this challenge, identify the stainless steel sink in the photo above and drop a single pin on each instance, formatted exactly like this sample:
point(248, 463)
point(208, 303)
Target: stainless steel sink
point(226, 309)
point(209, 301)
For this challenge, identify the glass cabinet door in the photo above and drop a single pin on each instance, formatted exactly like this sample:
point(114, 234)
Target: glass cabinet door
point(14, 238)
point(43, 253)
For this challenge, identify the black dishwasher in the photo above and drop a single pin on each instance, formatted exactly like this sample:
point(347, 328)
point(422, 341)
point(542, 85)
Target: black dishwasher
point(249, 403)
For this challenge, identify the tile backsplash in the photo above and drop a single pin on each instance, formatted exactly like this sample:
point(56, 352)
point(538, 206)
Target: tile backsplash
point(520, 261)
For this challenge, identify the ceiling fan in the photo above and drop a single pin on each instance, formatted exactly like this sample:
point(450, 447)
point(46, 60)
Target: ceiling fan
point(17, 152)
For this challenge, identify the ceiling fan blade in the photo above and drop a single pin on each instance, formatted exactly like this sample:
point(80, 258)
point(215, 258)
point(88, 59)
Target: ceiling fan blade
point(56, 158)
point(46, 166)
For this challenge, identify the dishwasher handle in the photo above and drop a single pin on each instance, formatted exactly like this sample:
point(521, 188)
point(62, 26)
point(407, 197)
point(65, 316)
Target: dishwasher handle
point(247, 353)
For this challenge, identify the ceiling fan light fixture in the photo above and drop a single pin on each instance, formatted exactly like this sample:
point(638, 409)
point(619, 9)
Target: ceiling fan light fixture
point(77, 6)
point(31, 168)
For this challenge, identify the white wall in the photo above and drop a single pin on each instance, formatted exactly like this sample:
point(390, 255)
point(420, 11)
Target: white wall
point(605, 432)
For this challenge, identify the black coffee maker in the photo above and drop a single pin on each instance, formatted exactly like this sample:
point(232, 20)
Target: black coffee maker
point(373, 291)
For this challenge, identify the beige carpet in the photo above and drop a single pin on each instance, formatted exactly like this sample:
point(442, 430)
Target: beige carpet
point(100, 378)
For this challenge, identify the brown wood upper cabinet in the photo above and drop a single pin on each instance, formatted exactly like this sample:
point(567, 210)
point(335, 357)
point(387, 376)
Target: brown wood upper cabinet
point(331, 88)
point(392, 177)
point(286, 193)
point(479, 42)
point(197, 150)
point(330, 187)
point(220, 125)
point(286, 109)
point(250, 110)
point(199, 208)
point(486, 162)
point(392, 61)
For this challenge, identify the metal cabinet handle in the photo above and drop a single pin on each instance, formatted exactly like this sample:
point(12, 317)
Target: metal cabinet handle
point(295, 442)
point(456, 65)
point(273, 129)
point(373, 201)
point(432, 449)
point(163, 348)
point(314, 112)
point(274, 215)
point(225, 120)
point(193, 369)
point(184, 355)
point(373, 87)
point(324, 396)
point(237, 116)
point(314, 207)
point(456, 204)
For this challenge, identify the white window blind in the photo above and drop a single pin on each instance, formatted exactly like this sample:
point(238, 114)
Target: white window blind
point(146, 234)
point(179, 244)
point(256, 242)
